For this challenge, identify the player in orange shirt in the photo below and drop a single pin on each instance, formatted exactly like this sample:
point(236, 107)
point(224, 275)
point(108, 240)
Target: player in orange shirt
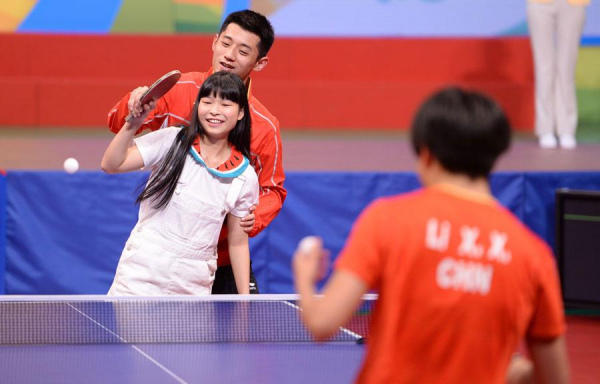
point(461, 281)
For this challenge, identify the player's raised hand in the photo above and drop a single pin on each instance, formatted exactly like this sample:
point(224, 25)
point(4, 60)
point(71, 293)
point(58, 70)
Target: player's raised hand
point(142, 96)
point(134, 104)
point(136, 121)
point(311, 260)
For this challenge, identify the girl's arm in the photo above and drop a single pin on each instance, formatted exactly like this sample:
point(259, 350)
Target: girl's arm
point(122, 155)
point(239, 254)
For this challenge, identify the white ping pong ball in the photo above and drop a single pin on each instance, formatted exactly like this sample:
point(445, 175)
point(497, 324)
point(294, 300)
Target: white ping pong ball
point(71, 165)
point(308, 243)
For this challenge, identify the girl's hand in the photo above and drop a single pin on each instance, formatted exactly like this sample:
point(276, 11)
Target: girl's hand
point(137, 121)
point(134, 106)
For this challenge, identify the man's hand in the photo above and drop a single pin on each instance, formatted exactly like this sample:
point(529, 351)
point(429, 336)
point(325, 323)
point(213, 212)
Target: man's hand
point(311, 261)
point(134, 105)
point(247, 222)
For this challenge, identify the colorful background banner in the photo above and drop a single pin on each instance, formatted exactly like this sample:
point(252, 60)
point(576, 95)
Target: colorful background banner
point(297, 18)
point(66, 47)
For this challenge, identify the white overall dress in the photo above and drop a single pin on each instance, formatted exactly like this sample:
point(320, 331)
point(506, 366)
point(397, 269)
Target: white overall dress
point(172, 251)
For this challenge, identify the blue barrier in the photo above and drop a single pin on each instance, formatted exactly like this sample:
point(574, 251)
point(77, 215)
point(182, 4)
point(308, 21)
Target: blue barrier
point(64, 233)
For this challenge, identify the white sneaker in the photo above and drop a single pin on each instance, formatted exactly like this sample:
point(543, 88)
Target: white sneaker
point(547, 141)
point(567, 141)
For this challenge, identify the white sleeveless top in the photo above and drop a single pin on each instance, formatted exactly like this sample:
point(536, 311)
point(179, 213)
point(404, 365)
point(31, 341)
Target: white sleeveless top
point(173, 250)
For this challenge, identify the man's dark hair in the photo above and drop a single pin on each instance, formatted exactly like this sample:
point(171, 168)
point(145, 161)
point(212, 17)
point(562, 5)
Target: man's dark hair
point(465, 131)
point(255, 23)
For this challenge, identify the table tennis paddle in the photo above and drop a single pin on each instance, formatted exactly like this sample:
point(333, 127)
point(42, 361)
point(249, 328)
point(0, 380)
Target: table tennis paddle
point(158, 89)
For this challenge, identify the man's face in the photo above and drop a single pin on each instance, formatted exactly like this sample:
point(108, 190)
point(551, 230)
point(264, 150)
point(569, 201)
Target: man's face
point(235, 50)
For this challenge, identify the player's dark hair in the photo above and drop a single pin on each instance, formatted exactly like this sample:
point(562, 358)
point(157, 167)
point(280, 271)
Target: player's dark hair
point(255, 23)
point(163, 180)
point(465, 131)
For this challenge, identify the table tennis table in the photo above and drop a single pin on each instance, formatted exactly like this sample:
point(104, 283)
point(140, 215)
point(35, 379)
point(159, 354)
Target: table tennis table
point(183, 339)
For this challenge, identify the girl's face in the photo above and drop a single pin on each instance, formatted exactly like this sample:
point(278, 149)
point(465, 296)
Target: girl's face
point(218, 116)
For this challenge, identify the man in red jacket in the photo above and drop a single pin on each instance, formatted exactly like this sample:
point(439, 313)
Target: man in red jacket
point(240, 47)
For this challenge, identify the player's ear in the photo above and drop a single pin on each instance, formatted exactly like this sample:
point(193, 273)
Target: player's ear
point(241, 114)
point(261, 63)
point(425, 156)
point(423, 165)
point(214, 43)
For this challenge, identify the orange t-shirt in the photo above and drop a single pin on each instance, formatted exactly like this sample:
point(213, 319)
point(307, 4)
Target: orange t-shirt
point(461, 281)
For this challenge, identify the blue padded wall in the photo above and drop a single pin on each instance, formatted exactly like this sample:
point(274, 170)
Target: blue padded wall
point(64, 233)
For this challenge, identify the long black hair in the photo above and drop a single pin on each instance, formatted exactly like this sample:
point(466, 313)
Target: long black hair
point(162, 183)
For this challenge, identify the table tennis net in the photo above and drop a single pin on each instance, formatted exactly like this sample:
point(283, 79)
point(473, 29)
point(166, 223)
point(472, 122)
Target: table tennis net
point(99, 319)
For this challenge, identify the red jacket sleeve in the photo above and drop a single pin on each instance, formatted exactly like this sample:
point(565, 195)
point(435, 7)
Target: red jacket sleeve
point(269, 168)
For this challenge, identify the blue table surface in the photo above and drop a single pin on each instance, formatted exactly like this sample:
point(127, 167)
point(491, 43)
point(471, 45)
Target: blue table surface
point(227, 363)
point(168, 341)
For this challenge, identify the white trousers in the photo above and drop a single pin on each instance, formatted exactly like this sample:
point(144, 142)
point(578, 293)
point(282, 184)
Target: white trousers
point(555, 29)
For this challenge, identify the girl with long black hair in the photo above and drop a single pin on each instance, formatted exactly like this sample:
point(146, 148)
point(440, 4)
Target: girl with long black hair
point(200, 178)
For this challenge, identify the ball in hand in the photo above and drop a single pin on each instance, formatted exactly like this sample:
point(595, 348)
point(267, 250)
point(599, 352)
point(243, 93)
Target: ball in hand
point(71, 165)
point(309, 243)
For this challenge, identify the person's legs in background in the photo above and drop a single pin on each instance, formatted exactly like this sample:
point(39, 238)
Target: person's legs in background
point(225, 281)
point(569, 29)
point(542, 19)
